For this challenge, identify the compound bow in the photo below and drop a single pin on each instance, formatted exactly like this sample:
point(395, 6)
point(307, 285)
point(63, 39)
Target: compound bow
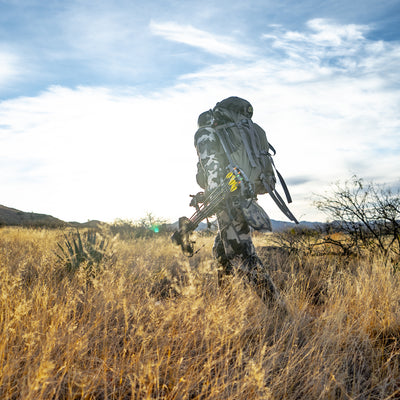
point(210, 205)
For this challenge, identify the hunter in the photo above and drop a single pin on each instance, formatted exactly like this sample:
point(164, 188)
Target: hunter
point(217, 145)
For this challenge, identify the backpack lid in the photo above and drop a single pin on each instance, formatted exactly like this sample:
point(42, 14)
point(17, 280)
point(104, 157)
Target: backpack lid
point(235, 105)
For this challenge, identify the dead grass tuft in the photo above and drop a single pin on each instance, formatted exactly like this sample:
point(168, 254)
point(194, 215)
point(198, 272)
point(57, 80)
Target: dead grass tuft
point(153, 324)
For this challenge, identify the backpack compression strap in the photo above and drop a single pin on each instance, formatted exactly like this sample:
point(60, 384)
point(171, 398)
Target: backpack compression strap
point(282, 181)
point(259, 153)
point(280, 203)
point(227, 146)
point(272, 192)
point(249, 138)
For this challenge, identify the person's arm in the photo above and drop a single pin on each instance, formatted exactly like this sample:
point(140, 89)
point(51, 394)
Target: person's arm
point(207, 151)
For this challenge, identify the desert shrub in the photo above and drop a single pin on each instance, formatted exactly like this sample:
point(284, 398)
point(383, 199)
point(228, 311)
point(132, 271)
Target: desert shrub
point(85, 252)
point(146, 227)
point(297, 240)
point(368, 213)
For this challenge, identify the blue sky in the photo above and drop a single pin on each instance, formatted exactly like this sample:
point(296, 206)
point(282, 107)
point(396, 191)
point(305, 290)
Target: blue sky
point(99, 99)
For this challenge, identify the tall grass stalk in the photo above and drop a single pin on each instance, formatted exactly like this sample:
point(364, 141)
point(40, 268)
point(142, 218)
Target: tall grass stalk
point(156, 325)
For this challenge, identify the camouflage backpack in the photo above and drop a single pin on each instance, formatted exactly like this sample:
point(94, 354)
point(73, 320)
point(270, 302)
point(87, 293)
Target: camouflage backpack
point(246, 146)
point(245, 143)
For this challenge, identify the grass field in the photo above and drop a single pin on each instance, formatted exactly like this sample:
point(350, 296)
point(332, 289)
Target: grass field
point(149, 323)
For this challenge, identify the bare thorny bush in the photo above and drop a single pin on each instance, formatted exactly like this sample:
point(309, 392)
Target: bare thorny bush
point(363, 219)
point(368, 214)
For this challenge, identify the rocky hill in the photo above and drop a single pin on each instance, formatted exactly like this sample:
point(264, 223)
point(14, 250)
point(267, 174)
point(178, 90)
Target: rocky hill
point(13, 217)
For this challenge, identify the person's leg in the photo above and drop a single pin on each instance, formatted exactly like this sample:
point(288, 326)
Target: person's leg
point(235, 248)
point(224, 265)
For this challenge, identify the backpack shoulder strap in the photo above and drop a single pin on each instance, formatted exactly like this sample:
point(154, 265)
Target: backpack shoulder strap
point(222, 135)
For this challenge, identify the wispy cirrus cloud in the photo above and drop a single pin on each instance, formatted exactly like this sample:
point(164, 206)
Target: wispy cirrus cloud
point(328, 33)
point(322, 34)
point(215, 44)
point(327, 48)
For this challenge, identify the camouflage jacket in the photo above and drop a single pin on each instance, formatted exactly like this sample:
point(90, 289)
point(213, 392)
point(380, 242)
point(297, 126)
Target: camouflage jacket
point(212, 163)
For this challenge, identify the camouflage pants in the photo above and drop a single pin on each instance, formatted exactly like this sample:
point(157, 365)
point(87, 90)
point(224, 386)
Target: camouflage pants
point(233, 245)
point(235, 252)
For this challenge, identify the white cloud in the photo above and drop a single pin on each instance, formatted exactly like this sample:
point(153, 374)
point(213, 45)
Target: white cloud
point(98, 153)
point(326, 44)
point(332, 34)
point(93, 153)
point(219, 45)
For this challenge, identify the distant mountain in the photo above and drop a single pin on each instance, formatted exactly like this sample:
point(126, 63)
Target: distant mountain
point(278, 226)
point(13, 217)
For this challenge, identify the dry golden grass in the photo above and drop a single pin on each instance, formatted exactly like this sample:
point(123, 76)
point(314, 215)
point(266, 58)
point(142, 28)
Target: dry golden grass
point(155, 325)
